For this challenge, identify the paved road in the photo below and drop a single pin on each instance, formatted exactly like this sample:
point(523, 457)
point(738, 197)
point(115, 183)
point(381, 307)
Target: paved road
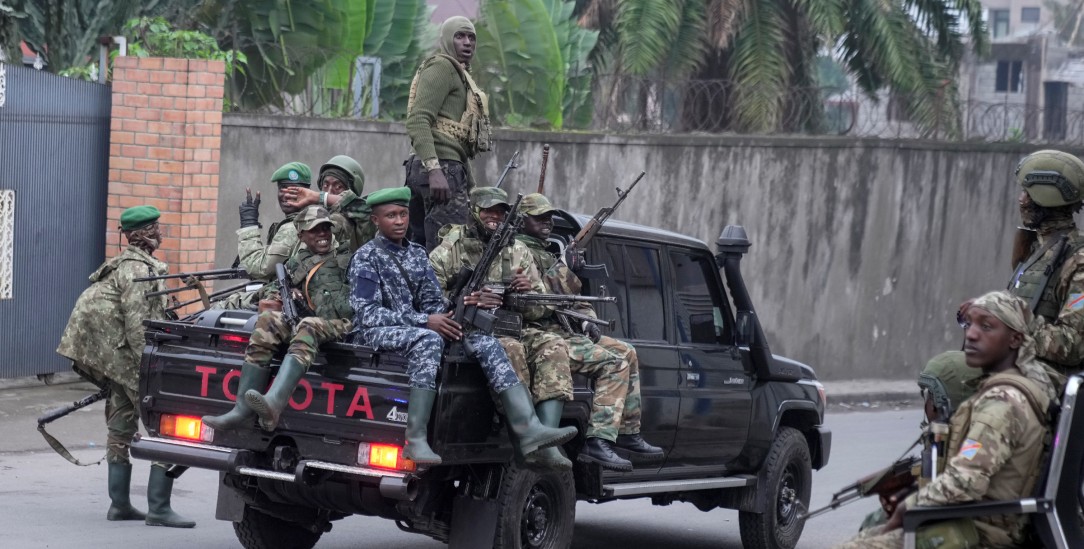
point(46, 502)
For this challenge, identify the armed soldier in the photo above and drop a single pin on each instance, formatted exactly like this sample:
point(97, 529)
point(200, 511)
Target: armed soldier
point(318, 273)
point(255, 257)
point(104, 339)
point(399, 307)
point(448, 125)
point(534, 350)
point(996, 437)
point(341, 183)
point(1048, 256)
point(615, 409)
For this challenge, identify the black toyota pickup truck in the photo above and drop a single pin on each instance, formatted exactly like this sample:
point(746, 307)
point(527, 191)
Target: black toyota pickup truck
point(742, 428)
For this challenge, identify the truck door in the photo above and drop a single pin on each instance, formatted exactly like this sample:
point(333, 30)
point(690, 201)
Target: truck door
point(636, 280)
point(715, 386)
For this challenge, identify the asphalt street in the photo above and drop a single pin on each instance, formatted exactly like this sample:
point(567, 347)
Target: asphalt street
point(47, 502)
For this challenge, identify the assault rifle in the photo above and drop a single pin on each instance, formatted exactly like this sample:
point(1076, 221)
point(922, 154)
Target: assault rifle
point(520, 301)
point(579, 242)
point(886, 482)
point(194, 281)
point(57, 413)
point(470, 280)
point(289, 307)
point(511, 165)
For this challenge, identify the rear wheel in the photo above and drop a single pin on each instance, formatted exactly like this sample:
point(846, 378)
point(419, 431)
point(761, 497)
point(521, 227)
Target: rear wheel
point(537, 510)
point(257, 530)
point(786, 482)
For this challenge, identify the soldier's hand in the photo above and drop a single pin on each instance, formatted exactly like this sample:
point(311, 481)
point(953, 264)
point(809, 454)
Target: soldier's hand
point(963, 311)
point(889, 503)
point(249, 210)
point(299, 197)
point(520, 282)
point(592, 331)
point(574, 259)
point(485, 299)
point(439, 190)
point(445, 326)
point(896, 519)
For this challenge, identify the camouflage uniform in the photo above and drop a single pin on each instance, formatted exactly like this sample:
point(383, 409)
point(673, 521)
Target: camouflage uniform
point(104, 337)
point(544, 354)
point(996, 440)
point(613, 364)
point(350, 215)
point(260, 260)
point(395, 290)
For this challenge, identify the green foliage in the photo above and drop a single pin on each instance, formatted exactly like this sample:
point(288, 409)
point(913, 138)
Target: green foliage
point(10, 14)
point(401, 36)
point(65, 32)
point(154, 37)
point(576, 44)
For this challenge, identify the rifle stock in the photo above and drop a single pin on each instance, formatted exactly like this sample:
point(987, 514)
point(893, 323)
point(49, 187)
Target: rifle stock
point(542, 175)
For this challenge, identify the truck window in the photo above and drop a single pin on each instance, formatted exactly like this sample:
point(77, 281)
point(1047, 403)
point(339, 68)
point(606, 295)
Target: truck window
point(698, 308)
point(636, 282)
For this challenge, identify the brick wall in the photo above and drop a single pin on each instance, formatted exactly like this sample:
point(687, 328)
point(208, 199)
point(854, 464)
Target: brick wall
point(164, 151)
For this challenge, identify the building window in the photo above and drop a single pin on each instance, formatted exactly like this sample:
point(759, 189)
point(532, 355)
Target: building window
point(999, 23)
point(1010, 76)
point(1029, 15)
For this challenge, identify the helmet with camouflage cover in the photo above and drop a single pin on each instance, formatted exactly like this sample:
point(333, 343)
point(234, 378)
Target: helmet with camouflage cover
point(948, 380)
point(1052, 178)
point(535, 204)
point(352, 169)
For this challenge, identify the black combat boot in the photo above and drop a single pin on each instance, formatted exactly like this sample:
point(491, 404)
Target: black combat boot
point(549, 414)
point(634, 448)
point(253, 377)
point(598, 450)
point(523, 422)
point(269, 406)
point(418, 410)
point(120, 482)
point(159, 513)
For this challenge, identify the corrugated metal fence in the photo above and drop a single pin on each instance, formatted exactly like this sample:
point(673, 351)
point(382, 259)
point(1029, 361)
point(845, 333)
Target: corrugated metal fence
point(54, 156)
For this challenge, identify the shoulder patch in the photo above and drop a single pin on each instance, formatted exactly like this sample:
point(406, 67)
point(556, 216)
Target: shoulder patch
point(1075, 302)
point(970, 449)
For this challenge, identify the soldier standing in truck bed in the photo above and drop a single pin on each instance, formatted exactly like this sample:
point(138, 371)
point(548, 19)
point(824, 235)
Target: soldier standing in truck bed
point(613, 431)
point(399, 307)
point(104, 339)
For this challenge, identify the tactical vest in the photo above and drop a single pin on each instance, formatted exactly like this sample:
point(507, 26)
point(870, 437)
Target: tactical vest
point(472, 130)
point(1029, 283)
point(466, 251)
point(323, 283)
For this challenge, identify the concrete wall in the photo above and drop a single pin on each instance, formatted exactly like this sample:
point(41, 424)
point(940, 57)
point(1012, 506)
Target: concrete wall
point(862, 249)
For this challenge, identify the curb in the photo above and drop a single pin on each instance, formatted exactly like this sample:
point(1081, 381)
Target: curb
point(30, 382)
point(874, 399)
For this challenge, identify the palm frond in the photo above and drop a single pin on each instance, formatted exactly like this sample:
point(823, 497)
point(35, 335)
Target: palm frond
point(723, 17)
point(686, 54)
point(645, 28)
point(759, 69)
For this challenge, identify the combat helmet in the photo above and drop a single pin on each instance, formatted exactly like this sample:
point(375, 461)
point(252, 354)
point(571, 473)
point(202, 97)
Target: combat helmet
point(949, 381)
point(1052, 178)
point(351, 167)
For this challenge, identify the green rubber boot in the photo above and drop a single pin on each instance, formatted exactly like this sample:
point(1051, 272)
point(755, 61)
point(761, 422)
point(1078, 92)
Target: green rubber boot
point(253, 377)
point(159, 513)
point(523, 422)
point(549, 414)
point(417, 444)
point(120, 482)
point(269, 406)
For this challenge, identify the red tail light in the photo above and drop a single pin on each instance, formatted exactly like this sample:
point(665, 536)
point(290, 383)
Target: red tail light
point(243, 340)
point(186, 427)
point(385, 456)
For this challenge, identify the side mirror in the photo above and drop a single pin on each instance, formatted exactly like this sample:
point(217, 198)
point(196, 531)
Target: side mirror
point(744, 328)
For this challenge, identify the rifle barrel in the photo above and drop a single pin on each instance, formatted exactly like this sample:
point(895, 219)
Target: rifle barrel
point(213, 274)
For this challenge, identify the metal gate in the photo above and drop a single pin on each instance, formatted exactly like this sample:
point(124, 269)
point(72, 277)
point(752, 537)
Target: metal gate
point(54, 167)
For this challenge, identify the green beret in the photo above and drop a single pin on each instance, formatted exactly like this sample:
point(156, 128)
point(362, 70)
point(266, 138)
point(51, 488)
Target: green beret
point(394, 195)
point(535, 204)
point(293, 173)
point(487, 197)
point(311, 217)
point(137, 217)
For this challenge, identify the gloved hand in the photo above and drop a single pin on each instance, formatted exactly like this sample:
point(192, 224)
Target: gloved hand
point(574, 259)
point(592, 331)
point(250, 210)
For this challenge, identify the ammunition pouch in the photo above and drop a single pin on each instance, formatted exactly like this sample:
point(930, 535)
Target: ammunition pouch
point(949, 534)
point(508, 324)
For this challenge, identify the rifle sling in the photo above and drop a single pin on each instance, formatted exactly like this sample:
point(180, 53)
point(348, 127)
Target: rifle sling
point(60, 449)
point(305, 287)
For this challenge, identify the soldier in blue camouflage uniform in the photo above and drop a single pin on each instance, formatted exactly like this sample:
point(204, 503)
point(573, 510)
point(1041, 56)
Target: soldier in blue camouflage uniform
point(614, 428)
point(537, 351)
point(399, 308)
point(318, 276)
point(104, 339)
point(341, 183)
point(996, 437)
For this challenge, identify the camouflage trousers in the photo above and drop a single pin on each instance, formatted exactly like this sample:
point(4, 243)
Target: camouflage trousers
point(613, 365)
point(871, 539)
point(239, 300)
point(426, 216)
point(272, 331)
point(541, 360)
point(423, 348)
point(121, 421)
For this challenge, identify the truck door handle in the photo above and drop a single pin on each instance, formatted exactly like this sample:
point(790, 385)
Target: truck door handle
point(692, 379)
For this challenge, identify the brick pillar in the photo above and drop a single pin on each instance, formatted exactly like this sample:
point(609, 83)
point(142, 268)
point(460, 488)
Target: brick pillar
point(164, 151)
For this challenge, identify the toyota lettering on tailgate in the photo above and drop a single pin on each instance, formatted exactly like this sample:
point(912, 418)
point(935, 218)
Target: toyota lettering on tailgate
point(359, 404)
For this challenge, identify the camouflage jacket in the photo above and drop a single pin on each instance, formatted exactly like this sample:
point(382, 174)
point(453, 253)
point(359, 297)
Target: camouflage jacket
point(996, 444)
point(1060, 340)
point(326, 289)
point(393, 285)
point(460, 247)
point(260, 260)
point(556, 276)
point(350, 217)
point(105, 331)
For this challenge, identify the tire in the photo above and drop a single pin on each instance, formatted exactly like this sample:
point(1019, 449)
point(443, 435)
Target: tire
point(785, 483)
point(536, 510)
point(259, 531)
